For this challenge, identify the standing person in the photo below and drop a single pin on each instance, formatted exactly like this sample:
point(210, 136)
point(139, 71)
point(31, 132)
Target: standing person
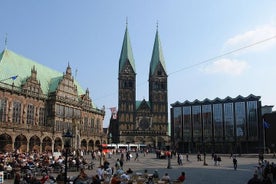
point(235, 163)
point(118, 164)
point(137, 156)
point(180, 159)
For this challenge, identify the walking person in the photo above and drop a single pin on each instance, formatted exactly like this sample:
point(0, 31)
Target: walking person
point(137, 156)
point(235, 163)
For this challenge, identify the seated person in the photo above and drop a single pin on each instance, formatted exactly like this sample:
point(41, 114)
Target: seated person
point(115, 179)
point(129, 171)
point(96, 179)
point(155, 174)
point(182, 177)
point(145, 175)
point(166, 178)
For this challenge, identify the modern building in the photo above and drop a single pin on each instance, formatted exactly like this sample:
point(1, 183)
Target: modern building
point(141, 122)
point(230, 125)
point(39, 104)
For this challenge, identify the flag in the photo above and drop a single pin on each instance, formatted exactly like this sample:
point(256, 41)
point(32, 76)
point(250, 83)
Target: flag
point(14, 77)
point(266, 124)
point(113, 109)
point(114, 112)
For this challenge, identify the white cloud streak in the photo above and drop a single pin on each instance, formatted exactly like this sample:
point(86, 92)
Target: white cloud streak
point(236, 67)
point(227, 66)
point(253, 36)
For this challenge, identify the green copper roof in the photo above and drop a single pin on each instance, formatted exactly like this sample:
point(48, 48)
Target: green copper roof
point(126, 53)
point(12, 64)
point(139, 102)
point(157, 55)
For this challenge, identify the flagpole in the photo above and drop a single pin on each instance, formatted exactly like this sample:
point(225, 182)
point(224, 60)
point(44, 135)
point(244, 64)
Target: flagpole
point(12, 77)
point(264, 136)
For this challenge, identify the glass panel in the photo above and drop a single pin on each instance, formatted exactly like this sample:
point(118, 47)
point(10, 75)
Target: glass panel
point(187, 123)
point(207, 122)
point(229, 121)
point(196, 123)
point(177, 123)
point(252, 117)
point(16, 114)
point(30, 114)
point(240, 120)
point(3, 106)
point(218, 122)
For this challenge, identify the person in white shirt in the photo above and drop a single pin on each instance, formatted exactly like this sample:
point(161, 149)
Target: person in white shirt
point(166, 178)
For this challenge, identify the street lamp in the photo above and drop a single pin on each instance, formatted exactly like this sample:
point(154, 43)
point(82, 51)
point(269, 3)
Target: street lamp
point(169, 157)
point(67, 136)
point(101, 149)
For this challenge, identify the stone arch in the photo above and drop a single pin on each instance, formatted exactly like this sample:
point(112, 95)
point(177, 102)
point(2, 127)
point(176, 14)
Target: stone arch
point(58, 144)
point(151, 142)
point(20, 143)
point(97, 143)
point(161, 142)
point(5, 143)
point(91, 145)
point(84, 145)
point(47, 144)
point(34, 144)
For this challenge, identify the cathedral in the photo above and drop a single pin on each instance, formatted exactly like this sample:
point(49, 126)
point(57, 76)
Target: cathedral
point(141, 121)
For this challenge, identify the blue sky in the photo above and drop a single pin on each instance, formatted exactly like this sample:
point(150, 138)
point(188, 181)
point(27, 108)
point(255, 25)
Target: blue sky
point(89, 35)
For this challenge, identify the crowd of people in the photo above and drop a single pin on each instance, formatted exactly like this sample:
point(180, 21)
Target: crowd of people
point(36, 168)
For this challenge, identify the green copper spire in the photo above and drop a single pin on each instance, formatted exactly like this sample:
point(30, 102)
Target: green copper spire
point(157, 55)
point(126, 53)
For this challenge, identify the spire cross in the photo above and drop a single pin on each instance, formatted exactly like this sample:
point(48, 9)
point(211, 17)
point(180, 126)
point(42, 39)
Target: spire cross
point(126, 21)
point(157, 24)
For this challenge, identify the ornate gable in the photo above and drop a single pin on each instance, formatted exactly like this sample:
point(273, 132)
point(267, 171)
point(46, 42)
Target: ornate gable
point(32, 85)
point(86, 101)
point(66, 87)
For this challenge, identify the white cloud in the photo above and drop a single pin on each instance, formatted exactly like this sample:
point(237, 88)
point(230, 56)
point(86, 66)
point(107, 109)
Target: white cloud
point(253, 36)
point(226, 66)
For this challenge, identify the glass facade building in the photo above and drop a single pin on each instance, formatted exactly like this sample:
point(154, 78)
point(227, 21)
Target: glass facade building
point(230, 125)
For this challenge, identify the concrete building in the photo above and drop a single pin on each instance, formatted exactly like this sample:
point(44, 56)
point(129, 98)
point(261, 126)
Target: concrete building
point(141, 121)
point(38, 104)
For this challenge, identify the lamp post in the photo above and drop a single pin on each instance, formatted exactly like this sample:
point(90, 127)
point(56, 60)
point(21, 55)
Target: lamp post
point(101, 149)
point(68, 136)
point(169, 157)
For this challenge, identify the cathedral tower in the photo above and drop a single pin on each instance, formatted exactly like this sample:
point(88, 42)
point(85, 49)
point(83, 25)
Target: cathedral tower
point(141, 121)
point(127, 86)
point(158, 93)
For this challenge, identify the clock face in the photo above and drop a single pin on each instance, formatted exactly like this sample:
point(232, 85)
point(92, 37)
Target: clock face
point(144, 123)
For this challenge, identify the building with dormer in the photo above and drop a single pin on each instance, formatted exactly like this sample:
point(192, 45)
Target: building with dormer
point(38, 104)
